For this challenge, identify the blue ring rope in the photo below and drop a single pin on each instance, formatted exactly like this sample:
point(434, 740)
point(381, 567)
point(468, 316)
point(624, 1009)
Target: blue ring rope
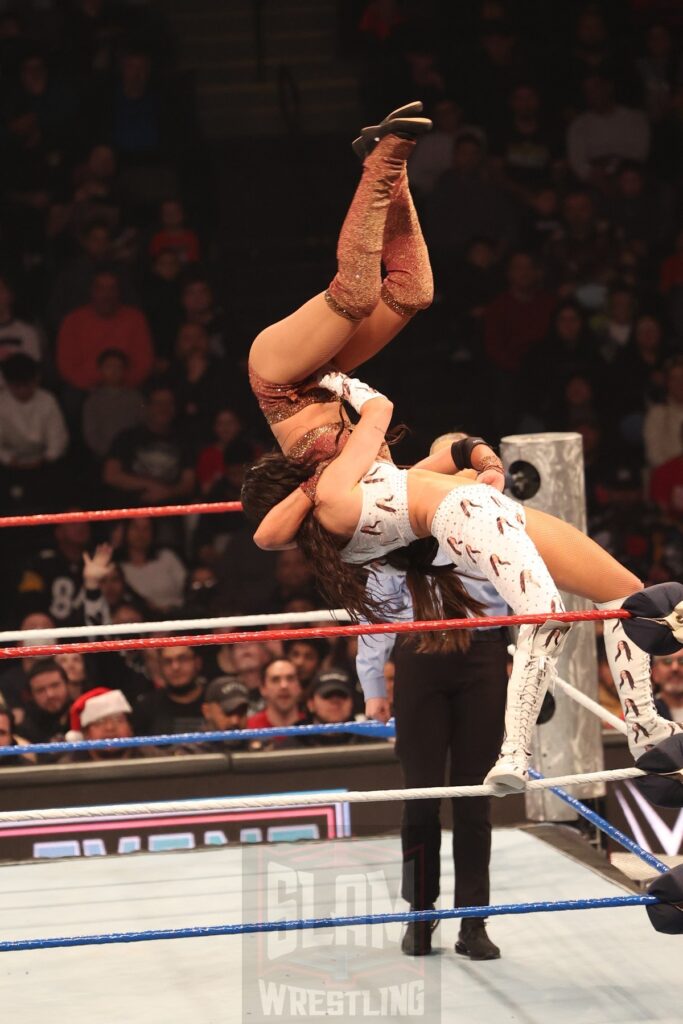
point(603, 825)
point(375, 729)
point(20, 945)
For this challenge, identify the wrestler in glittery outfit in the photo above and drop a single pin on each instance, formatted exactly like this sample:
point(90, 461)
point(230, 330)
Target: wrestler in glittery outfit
point(355, 317)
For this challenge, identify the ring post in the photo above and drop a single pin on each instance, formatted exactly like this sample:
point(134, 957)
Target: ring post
point(547, 473)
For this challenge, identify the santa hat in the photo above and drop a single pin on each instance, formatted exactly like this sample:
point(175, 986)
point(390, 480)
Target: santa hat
point(93, 705)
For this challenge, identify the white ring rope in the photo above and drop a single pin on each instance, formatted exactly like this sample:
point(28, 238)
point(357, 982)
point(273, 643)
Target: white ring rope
point(126, 629)
point(10, 818)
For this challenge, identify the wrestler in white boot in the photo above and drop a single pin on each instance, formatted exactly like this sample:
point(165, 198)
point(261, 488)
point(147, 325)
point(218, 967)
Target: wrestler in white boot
point(535, 655)
point(630, 668)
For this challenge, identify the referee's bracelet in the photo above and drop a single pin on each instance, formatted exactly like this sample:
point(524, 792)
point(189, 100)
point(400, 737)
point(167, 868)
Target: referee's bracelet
point(461, 453)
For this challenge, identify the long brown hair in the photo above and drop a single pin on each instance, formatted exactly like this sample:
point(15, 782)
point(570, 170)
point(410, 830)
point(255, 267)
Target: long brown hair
point(437, 591)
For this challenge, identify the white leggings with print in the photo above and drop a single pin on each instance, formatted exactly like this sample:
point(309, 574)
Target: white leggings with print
point(484, 532)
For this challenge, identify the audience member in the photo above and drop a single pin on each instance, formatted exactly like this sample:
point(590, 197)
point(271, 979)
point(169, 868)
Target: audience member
point(226, 707)
point(433, 154)
point(605, 133)
point(581, 253)
point(46, 718)
point(53, 579)
point(156, 574)
point(524, 146)
point(225, 459)
point(111, 408)
point(616, 332)
point(307, 657)
point(199, 382)
point(199, 307)
point(9, 738)
point(329, 701)
point(519, 318)
point(667, 676)
point(466, 204)
point(101, 714)
point(666, 484)
point(14, 677)
point(73, 286)
point(161, 301)
point(177, 707)
point(173, 234)
point(16, 336)
point(660, 70)
point(101, 325)
point(281, 693)
point(33, 436)
point(663, 421)
point(76, 673)
point(151, 464)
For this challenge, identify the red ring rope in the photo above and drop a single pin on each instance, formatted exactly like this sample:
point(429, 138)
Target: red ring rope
point(148, 512)
point(429, 626)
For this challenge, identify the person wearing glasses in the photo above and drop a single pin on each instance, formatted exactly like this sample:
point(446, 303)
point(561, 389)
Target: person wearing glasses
point(177, 706)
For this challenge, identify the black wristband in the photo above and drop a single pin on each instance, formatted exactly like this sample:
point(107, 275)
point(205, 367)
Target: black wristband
point(461, 451)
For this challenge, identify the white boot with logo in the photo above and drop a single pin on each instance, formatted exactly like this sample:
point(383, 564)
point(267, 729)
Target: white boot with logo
point(535, 655)
point(630, 668)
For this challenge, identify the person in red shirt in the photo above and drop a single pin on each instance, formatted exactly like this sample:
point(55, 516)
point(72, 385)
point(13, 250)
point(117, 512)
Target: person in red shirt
point(174, 235)
point(666, 485)
point(519, 318)
point(103, 324)
point(282, 695)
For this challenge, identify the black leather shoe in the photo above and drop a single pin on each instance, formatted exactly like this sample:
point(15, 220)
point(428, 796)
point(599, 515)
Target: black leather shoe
point(403, 121)
point(474, 942)
point(417, 940)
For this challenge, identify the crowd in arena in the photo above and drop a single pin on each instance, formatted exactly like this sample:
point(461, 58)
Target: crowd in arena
point(551, 195)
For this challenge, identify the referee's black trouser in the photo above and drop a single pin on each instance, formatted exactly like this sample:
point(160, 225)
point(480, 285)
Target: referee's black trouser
point(449, 702)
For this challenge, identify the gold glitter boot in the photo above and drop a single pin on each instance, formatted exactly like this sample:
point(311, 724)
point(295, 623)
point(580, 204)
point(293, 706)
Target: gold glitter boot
point(355, 290)
point(408, 285)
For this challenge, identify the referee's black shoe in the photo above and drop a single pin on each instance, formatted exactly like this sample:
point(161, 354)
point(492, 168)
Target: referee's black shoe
point(474, 942)
point(417, 940)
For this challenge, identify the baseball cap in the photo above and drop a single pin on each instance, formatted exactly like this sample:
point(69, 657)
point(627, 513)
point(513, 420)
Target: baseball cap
point(226, 691)
point(331, 682)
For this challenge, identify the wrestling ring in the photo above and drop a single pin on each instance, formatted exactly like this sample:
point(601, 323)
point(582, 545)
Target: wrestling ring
point(607, 964)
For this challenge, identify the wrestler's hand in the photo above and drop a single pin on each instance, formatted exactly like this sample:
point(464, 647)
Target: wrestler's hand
point(350, 389)
point(378, 709)
point(492, 477)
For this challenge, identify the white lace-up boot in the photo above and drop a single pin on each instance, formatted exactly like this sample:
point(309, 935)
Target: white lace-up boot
point(630, 668)
point(535, 655)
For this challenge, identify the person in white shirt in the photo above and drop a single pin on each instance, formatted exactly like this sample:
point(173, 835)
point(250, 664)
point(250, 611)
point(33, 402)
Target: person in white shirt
point(33, 435)
point(32, 428)
point(605, 133)
point(155, 573)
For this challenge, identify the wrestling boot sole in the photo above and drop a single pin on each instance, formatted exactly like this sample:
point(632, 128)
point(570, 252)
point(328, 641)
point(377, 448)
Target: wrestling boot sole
point(507, 776)
point(403, 121)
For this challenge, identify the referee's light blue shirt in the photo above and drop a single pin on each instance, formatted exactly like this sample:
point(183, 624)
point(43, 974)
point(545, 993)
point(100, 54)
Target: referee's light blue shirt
point(390, 587)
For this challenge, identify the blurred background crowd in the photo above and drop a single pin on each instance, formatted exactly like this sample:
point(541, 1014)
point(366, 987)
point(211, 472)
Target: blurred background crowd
point(138, 258)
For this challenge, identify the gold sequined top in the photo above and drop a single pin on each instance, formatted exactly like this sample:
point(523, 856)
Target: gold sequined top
point(280, 401)
point(320, 446)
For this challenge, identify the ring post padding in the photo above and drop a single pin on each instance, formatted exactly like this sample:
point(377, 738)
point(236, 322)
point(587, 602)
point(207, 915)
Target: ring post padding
point(571, 741)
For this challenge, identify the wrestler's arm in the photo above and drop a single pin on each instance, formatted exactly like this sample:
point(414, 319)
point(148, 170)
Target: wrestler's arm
point(279, 527)
point(359, 452)
point(441, 461)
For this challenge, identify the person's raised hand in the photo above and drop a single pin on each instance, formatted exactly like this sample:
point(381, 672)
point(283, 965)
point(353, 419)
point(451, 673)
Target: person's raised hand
point(96, 567)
